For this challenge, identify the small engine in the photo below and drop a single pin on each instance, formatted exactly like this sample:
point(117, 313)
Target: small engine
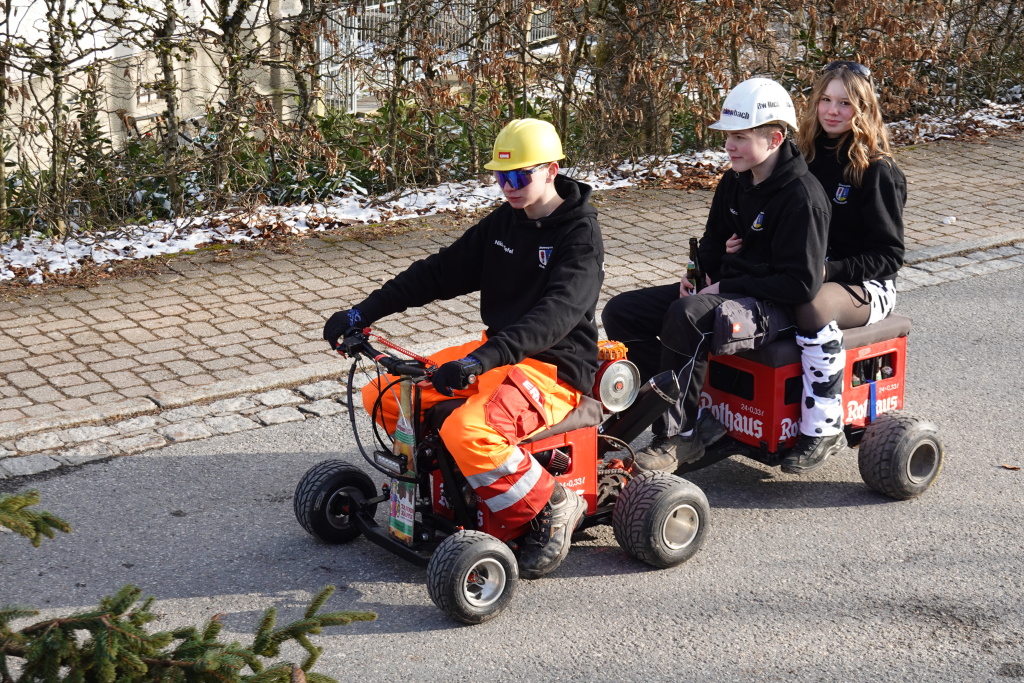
point(618, 381)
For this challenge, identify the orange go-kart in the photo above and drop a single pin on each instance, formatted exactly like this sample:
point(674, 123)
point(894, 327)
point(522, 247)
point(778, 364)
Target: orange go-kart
point(433, 518)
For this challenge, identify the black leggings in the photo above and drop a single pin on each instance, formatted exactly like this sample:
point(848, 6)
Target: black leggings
point(833, 302)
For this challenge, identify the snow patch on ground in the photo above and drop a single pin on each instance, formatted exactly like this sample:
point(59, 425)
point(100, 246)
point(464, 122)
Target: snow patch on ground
point(35, 257)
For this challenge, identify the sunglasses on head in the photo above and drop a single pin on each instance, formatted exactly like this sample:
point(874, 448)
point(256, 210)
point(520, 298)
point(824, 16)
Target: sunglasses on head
point(855, 67)
point(518, 178)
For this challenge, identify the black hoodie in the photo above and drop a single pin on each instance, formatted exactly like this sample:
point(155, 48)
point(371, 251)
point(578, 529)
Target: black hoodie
point(538, 281)
point(865, 236)
point(784, 226)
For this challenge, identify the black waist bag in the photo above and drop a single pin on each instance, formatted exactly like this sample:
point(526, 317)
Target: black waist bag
point(747, 324)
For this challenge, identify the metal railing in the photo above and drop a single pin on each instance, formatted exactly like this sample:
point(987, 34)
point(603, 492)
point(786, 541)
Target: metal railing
point(452, 29)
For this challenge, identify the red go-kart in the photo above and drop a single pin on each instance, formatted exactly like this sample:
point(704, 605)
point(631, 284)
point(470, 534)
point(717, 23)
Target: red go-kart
point(434, 518)
point(756, 395)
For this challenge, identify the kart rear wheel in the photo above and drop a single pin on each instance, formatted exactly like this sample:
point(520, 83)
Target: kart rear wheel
point(472, 576)
point(327, 497)
point(661, 519)
point(900, 455)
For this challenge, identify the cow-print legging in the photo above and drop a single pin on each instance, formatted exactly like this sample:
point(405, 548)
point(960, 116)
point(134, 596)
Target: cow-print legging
point(820, 325)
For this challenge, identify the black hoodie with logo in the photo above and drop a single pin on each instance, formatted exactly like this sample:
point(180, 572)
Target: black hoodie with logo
point(539, 280)
point(865, 240)
point(784, 226)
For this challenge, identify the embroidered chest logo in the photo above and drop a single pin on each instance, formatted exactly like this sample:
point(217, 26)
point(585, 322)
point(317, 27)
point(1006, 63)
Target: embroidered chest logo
point(544, 255)
point(758, 222)
point(508, 250)
point(842, 194)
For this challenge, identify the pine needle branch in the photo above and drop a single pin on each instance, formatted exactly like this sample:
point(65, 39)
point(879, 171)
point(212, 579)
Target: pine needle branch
point(109, 644)
point(32, 524)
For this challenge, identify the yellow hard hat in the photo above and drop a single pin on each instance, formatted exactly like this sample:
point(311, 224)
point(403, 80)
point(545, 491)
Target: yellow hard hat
point(523, 143)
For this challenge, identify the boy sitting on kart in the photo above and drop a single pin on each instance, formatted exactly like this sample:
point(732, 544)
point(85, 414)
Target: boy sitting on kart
point(765, 237)
point(538, 263)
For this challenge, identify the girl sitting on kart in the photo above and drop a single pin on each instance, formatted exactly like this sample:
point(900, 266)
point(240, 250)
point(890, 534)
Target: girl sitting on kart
point(846, 146)
point(537, 261)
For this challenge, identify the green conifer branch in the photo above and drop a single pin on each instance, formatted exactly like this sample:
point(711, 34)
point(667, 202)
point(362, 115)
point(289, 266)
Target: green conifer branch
point(109, 644)
point(318, 601)
point(31, 524)
point(317, 678)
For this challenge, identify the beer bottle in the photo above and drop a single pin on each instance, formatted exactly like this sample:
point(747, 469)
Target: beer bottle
point(694, 273)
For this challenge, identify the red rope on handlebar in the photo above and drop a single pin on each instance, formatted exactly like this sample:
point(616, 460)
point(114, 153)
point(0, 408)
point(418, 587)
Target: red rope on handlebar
point(395, 347)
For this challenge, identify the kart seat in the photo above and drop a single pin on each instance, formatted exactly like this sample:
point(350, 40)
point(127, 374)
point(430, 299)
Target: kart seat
point(784, 352)
point(588, 413)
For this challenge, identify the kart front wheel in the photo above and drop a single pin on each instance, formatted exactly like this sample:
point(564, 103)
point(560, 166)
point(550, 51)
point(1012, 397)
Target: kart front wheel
point(661, 519)
point(900, 455)
point(327, 498)
point(472, 576)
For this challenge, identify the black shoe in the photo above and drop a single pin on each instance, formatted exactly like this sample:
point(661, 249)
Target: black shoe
point(548, 543)
point(709, 428)
point(811, 452)
point(668, 453)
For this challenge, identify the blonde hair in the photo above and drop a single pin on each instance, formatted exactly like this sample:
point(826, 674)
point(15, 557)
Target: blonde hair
point(870, 138)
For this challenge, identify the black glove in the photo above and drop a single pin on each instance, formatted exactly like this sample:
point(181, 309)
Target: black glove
point(342, 323)
point(456, 374)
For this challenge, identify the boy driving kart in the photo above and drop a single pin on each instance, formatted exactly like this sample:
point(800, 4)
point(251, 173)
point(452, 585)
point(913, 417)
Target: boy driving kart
point(538, 263)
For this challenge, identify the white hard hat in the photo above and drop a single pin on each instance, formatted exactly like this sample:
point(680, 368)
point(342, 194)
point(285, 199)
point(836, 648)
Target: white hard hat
point(755, 102)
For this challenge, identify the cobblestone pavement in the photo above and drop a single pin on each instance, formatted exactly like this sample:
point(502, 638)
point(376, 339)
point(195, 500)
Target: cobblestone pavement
point(230, 340)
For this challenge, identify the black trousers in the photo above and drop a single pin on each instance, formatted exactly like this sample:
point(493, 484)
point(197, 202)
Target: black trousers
point(664, 331)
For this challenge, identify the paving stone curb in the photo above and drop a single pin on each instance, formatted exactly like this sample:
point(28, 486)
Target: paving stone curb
point(39, 445)
point(16, 430)
point(916, 256)
point(176, 399)
point(244, 385)
point(959, 262)
point(292, 395)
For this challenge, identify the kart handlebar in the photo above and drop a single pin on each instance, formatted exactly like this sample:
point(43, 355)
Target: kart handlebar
point(358, 344)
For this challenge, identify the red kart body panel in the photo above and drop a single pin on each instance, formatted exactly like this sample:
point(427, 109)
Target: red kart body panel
point(581, 447)
point(757, 395)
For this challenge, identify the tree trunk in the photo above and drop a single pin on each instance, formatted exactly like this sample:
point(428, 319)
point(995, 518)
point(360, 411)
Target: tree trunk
point(230, 23)
point(275, 56)
point(5, 55)
point(164, 47)
point(58, 130)
point(394, 97)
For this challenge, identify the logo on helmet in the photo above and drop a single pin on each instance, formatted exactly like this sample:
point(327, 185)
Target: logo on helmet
point(735, 112)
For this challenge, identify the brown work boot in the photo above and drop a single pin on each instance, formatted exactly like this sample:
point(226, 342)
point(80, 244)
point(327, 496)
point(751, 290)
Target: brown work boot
point(547, 544)
point(668, 453)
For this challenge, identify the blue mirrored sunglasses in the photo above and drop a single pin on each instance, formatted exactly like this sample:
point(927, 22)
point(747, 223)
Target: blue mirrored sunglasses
point(855, 67)
point(518, 178)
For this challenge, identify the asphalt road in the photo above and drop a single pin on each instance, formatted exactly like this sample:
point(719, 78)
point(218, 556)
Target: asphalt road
point(801, 579)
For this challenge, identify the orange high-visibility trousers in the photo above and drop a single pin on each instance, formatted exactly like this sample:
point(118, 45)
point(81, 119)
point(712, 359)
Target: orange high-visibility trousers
point(505, 406)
